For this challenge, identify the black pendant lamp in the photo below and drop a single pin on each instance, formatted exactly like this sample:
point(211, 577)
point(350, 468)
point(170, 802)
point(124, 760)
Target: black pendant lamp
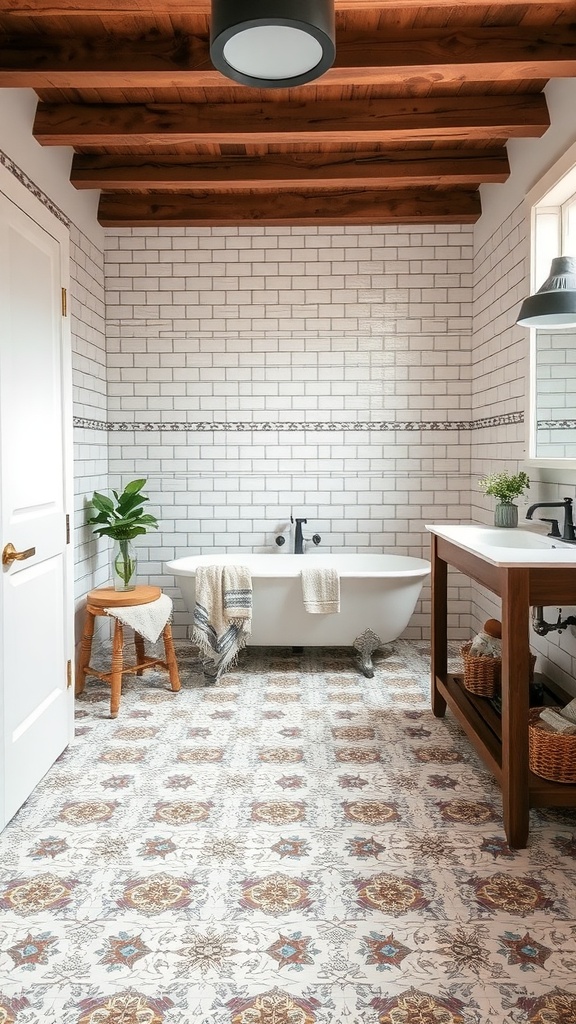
point(272, 44)
point(553, 306)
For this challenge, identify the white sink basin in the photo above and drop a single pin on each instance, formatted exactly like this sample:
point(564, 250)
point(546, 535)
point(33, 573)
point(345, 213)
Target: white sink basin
point(503, 538)
point(513, 547)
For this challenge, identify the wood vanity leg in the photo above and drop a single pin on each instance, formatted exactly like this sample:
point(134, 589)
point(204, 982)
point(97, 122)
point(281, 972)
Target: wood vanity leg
point(439, 650)
point(515, 704)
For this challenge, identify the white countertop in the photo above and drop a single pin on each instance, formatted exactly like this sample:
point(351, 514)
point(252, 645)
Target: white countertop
point(514, 547)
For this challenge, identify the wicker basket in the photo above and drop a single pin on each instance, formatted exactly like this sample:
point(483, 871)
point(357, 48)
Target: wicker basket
point(483, 674)
point(552, 755)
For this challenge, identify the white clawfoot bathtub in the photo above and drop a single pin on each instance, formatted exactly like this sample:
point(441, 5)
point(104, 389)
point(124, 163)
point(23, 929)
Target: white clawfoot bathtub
point(378, 595)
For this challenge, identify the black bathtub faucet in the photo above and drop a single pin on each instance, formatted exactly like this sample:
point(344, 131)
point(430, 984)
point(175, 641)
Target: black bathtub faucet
point(299, 536)
point(568, 533)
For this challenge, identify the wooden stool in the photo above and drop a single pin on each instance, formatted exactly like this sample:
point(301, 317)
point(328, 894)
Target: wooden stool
point(106, 597)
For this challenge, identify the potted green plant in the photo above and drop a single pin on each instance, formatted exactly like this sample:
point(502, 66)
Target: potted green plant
point(505, 487)
point(122, 519)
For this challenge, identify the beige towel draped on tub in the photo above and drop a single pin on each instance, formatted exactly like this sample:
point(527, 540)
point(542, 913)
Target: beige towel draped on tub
point(321, 591)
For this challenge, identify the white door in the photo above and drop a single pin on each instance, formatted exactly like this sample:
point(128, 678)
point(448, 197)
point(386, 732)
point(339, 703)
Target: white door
point(35, 600)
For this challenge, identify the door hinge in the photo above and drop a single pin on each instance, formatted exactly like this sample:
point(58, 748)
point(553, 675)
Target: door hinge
point(68, 674)
point(67, 529)
point(64, 302)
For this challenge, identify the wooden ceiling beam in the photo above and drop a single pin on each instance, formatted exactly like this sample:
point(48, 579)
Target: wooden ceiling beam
point(98, 8)
point(361, 207)
point(437, 56)
point(396, 169)
point(404, 119)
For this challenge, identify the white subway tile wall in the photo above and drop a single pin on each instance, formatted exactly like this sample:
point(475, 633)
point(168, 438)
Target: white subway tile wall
point(253, 372)
point(87, 312)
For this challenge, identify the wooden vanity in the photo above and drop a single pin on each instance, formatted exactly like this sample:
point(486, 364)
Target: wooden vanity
point(502, 741)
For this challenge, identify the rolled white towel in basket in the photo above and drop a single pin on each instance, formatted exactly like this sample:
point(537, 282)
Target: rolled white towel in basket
point(321, 591)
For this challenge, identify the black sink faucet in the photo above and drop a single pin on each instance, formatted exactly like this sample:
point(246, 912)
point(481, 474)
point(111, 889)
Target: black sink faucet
point(568, 533)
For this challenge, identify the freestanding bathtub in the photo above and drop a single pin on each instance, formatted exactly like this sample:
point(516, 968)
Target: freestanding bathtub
point(378, 594)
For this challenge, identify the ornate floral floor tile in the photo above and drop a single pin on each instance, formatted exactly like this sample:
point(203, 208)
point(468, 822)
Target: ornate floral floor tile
point(298, 845)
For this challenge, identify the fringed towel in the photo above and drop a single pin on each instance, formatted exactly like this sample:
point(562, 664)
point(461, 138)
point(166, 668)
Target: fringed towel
point(222, 616)
point(321, 591)
point(147, 619)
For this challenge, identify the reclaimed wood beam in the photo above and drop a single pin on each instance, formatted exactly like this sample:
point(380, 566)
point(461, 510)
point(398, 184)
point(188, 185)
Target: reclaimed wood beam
point(395, 169)
point(360, 207)
point(398, 119)
point(97, 8)
point(433, 55)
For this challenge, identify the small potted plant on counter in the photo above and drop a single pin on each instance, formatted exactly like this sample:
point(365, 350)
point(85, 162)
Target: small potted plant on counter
point(505, 487)
point(122, 519)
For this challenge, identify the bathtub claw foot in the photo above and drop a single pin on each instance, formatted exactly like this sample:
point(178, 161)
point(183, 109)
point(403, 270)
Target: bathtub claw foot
point(366, 644)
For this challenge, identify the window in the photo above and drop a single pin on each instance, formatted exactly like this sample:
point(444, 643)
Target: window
point(553, 229)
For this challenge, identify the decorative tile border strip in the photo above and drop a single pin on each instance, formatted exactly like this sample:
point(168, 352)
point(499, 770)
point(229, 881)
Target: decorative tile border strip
point(31, 187)
point(502, 420)
point(86, 424)
point(556, 424)
point(300, 425)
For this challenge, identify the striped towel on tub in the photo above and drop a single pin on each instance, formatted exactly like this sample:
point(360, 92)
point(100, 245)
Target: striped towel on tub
point(222, 616)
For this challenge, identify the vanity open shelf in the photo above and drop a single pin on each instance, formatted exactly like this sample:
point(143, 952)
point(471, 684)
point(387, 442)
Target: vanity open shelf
point(502, 739)
point(483, 724)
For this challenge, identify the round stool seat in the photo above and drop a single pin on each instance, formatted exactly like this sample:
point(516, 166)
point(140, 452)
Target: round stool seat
point(107, 597)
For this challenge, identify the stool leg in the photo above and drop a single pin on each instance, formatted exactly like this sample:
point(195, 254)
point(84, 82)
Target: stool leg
point(116, 672)
point(140, 653)
point(85, 651)
point(171, 657)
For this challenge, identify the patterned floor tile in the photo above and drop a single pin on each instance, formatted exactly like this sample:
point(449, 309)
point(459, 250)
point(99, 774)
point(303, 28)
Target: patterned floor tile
point(297, 845)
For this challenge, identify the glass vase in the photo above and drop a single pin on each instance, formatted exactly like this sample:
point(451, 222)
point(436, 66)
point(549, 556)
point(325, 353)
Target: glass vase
point(124, 564)
point(506, 514)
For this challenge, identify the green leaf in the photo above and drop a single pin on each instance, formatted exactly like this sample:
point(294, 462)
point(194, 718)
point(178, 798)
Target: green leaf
point(102, 503)
point(129, 501)
point(133, 486)
point(100, 518)
point(104, 531)
point(123, 521)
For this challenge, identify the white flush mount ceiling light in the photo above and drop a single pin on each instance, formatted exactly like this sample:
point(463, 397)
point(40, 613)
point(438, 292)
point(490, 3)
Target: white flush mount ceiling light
point(272, 44)
point(554, 304)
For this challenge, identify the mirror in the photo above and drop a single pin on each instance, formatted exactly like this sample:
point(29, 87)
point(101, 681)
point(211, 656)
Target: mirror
point(554, 394)
point(551, 222)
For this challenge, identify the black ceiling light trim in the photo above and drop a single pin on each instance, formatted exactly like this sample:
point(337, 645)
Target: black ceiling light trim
point(553, 306)
point(272, 44)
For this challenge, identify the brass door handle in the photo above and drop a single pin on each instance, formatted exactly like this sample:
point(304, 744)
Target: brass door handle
point(10, 554)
